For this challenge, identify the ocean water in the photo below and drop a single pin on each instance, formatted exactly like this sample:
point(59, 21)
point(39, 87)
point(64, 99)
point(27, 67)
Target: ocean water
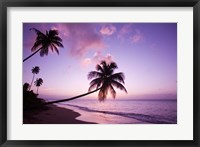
point(127, 111)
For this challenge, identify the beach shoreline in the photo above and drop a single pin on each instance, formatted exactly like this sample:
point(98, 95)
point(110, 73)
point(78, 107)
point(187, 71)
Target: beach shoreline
point(52, 114)
point(103, 118)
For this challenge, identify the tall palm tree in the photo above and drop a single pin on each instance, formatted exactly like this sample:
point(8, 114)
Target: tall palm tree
point(45, 41)
point(104, 80)
point(35, 70)
point(38, 83)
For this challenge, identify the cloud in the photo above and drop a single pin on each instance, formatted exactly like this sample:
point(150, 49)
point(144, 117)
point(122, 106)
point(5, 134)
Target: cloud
point(80, 38)
point(85, 62)
point(125, 29)
point(108, 30)
point(128, 32)
point(137, 37)
point(97, 58)
point(62, 30)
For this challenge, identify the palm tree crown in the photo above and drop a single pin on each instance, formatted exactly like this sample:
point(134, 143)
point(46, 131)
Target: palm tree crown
point(38, 83)
point(45, 41)
point(35, 70)
point(105, 79)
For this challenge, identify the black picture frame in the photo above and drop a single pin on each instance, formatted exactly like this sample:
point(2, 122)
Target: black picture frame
point(4, 4)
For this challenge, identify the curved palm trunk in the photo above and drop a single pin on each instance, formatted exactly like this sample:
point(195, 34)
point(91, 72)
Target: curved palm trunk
point(32, 81)
point(69, 99)
point(32, 54)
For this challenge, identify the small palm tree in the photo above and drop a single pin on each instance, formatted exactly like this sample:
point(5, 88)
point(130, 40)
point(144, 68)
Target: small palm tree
point(45, 41)
point(35, 70)
point(38, 83)
point(104, 80)
point(26, 87)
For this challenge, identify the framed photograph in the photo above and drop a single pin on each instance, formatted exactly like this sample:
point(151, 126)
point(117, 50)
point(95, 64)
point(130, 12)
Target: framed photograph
point(86, 73)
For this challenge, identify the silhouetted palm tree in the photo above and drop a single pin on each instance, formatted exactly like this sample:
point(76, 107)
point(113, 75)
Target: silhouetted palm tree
point(104, 80)
point(38, 83)
point(35, 70)
point(26, 87)
point(45, 41)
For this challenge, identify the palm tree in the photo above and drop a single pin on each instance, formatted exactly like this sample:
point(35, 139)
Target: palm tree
point(38, 83)
point(45, 41)
point(104, 80)
point(35, 70)
point(26, 87)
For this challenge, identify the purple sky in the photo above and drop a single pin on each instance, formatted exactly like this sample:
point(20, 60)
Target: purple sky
point(145, 52)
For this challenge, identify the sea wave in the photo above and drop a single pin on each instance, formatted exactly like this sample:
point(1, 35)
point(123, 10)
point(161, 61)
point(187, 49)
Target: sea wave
point(141, 117)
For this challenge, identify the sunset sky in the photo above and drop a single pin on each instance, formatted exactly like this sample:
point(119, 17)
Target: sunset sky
point(145, 52)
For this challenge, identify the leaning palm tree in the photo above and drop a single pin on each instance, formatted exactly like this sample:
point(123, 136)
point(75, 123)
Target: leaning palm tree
point(45, 41)
point(38, 83)
point(104, 80)
point(35, 70)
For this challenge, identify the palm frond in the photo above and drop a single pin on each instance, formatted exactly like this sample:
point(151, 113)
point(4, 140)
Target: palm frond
point(44, 51)
point(56, 38)
point(92, 86)
point(57, 51)
point(57, 43)
point(39, 33)
point(118, 77)
point(97, 81)
point(112, 91)
point(53, 33)
point(104, 65)
point(36, 45)
point(53, 47)
point(99, 68)
point(113, 65)
point(94, 74)
point(118, 85)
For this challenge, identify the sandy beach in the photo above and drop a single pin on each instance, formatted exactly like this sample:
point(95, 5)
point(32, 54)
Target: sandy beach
point(52, 115)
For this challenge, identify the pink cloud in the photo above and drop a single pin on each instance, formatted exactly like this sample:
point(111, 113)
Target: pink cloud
point(137, 37)
point(97, 58)
point(85, 62)
point(80, 38)
point(108, 30)
point(62, 29)
point(125, 29)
